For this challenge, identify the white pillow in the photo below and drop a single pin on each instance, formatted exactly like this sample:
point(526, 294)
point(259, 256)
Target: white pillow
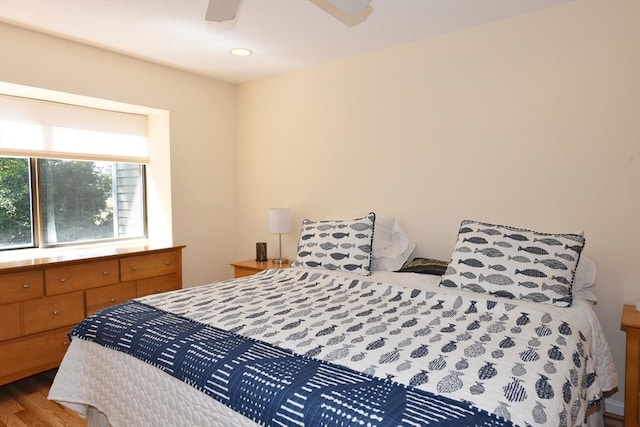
point(391, 245)
point(585, 274)
point(392, 264)
point(585, 279)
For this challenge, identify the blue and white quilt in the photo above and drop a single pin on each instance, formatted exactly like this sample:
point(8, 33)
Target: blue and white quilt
point(302, 347)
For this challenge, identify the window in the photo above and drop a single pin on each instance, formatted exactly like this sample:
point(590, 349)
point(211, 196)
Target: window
point(70, 174)
point(69, 201)
point(16, 222)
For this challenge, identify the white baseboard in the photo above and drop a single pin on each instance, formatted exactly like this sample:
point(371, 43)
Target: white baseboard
point(614, 406)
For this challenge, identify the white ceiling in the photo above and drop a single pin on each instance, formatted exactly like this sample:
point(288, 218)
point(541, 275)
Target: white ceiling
point(283, 34)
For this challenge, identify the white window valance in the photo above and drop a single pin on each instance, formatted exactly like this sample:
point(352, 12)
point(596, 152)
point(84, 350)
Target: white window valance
point(36, 128)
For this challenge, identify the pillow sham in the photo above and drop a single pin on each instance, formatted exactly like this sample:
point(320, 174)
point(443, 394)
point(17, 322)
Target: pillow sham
point(337, 244)
point(425, 266)
point(515, 263)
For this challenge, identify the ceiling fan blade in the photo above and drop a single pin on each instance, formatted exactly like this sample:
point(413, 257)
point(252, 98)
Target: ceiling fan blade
point(350, 19)
point(222, 10)
point(351, 6)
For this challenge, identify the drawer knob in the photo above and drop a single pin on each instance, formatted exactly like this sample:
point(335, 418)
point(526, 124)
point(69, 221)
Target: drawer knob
point(158, 290)
point(134, 268)
point(167, 263)
point(56, 312)
point(105, 273)
point(26, 286)
point(63, 280)
point(112, 300)
point(65, 343)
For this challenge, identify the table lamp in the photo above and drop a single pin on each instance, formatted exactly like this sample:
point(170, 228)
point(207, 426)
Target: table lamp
point(279, 222)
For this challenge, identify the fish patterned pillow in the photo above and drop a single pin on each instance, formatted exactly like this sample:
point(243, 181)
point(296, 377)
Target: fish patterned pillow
point(337, 244)
point(514, 263)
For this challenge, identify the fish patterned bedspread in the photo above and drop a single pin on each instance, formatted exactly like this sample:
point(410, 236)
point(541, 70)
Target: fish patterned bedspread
point(364, 351)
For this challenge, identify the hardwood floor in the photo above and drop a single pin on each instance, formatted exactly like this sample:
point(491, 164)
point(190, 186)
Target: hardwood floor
point(24, 403)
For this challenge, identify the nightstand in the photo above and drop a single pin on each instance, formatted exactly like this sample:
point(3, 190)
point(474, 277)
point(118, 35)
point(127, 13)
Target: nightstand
point(631, 323)
point(251, 266)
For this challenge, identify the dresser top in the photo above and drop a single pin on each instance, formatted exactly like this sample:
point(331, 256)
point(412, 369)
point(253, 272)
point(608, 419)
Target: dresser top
point(630, 317)
point(76, 255)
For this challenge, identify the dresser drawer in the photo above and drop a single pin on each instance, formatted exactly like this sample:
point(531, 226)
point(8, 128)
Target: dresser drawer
point(48, 313)
point(76, 277)
point(9, 321)
point(16, 287)
point(26, 356)
point(143, 266)
point(244, 271)
point(100, 298)
point(157, 285)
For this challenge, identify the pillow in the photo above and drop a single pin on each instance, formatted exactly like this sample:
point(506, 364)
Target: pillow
point(585, 274)
point(391, 245)
point(391, 264)
point(515, 263)
point(585, 280)
point(390, 240)
point(425, 266)
point(337, 244)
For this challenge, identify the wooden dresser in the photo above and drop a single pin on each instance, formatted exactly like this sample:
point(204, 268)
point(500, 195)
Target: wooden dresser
point(42, 299)
point(631, 324)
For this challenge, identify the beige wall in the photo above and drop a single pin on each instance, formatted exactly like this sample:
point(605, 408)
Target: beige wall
point(202, 120)
point(532, 122)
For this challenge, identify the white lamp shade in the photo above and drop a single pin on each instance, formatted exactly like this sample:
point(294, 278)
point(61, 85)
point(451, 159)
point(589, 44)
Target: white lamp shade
point(279, 220)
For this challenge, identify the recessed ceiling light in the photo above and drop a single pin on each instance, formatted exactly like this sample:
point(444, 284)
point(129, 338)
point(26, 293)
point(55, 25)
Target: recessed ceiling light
point(240, 51)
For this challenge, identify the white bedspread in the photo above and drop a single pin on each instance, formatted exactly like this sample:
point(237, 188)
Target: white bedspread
point(131, 392)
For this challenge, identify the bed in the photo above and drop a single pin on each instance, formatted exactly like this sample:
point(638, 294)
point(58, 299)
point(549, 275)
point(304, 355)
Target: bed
point(342, 345)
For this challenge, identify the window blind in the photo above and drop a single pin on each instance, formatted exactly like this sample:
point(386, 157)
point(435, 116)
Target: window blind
point(36, 128)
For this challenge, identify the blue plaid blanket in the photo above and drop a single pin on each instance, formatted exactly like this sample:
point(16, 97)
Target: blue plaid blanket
point(265, 383)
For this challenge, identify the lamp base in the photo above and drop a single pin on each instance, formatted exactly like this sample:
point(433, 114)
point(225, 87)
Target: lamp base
point(280, 261)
